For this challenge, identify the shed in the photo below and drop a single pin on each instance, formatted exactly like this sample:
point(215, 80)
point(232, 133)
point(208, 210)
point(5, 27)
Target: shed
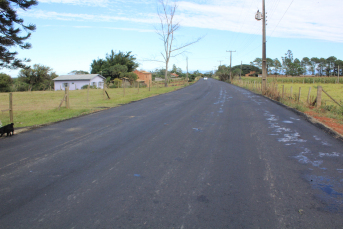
point(75, 82)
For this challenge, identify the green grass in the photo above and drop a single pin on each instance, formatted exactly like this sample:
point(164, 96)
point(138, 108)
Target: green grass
point(329, 108)
point(40, 107)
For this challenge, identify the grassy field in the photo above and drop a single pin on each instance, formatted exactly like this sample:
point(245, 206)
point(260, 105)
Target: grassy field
point(40, 107)
point(328, 108)
point(333, 89)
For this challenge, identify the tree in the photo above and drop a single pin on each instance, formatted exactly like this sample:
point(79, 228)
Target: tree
point(131, 76)
point(114, 64)
point(257, 63)
point(270, 65)
point(117, 70)
point(277, 66)
point(330, 65)
point(166, 13)
point(314, 63)
point(78, 72)
point(339, 63)
point(305, 64)
point(37, 78)
point(5, 82)
point(176, 70)
point(11, 30)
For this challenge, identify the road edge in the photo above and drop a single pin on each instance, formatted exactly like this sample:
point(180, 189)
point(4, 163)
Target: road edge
point(308, 118)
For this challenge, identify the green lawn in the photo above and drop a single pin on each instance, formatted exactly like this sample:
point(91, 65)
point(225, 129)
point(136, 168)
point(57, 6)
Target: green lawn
point(40, 107)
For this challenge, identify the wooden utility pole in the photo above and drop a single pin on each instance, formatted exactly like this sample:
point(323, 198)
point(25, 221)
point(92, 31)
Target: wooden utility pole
point(262, 17)
point(264, 55)
point(187, 68)
point(230, 64)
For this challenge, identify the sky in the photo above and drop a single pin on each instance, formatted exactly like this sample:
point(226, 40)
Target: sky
point(71, 34)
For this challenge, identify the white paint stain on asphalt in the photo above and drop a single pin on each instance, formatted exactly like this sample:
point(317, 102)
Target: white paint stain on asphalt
point(302, 158)
point(334, 154)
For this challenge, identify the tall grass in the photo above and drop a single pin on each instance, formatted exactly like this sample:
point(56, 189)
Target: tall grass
point(291, 95)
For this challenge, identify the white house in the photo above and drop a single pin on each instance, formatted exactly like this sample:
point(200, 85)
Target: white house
point(77, 81)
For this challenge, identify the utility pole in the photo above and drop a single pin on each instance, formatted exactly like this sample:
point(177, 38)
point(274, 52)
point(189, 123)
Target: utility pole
point(230, 65)
point(220, 62)
point(258, 17)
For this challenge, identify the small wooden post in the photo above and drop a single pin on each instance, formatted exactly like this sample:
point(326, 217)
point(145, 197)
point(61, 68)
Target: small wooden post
point(291, 92)
point(319, 96)
point(283, 91)
point(138, 87)
point(66, 96)
point(299, 94)
point(303, 81)
point(11, 108)
point(149, 85)
point(124, 87)
point(103, 91)
point(88, 94)
point(313, 80)
point(308, 96)
point(67, 99)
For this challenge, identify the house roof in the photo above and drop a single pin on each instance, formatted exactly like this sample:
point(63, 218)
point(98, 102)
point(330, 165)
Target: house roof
point(174, 74)
point(78, 77)
point(145, 72)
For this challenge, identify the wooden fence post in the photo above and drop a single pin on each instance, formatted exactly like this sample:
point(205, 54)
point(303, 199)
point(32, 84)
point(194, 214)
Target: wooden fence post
point(65, 96)
point(138, 87)
point(67, 99)
point(308, 96)
point(291, 92)
point(124, 87)
point(149, 85)
point(319, 96)
point(88, 94)
point(299, 94)
point(283, 91)
point(103, 91)
point(11, 108)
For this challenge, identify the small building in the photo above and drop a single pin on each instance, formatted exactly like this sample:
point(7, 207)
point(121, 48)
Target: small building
point(75, 82)
point(250, 73)
point(174, 75)
point(143, 75)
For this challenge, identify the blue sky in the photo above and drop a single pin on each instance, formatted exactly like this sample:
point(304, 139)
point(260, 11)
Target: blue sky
point(72, 33)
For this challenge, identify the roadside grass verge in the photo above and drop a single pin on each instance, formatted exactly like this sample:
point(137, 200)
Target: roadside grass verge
point(329, 109)
point(41, 107)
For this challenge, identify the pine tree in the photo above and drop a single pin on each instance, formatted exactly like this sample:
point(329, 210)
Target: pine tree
point(11, 28)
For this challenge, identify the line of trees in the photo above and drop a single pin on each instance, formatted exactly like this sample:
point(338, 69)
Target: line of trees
point(160, 73)
point(223, 71)
point(295, 67)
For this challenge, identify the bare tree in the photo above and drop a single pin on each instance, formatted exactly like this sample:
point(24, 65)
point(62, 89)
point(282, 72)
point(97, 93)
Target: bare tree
point(166, 13)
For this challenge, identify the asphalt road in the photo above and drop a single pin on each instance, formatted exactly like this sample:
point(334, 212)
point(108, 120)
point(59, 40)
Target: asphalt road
point(211, 155)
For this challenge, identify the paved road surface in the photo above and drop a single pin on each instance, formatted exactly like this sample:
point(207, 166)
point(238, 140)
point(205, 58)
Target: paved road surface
point(211, 155)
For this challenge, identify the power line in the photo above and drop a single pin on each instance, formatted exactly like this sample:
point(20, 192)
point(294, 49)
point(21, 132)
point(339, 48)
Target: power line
point(281, 18)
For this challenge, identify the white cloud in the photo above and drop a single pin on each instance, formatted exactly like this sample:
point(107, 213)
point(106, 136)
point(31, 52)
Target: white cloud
point(304, 19)
point(84, 17)
point(102, 3)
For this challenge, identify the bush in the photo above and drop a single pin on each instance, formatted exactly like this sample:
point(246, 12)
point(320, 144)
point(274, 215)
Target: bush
point(5, 82)
point(86, 86)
